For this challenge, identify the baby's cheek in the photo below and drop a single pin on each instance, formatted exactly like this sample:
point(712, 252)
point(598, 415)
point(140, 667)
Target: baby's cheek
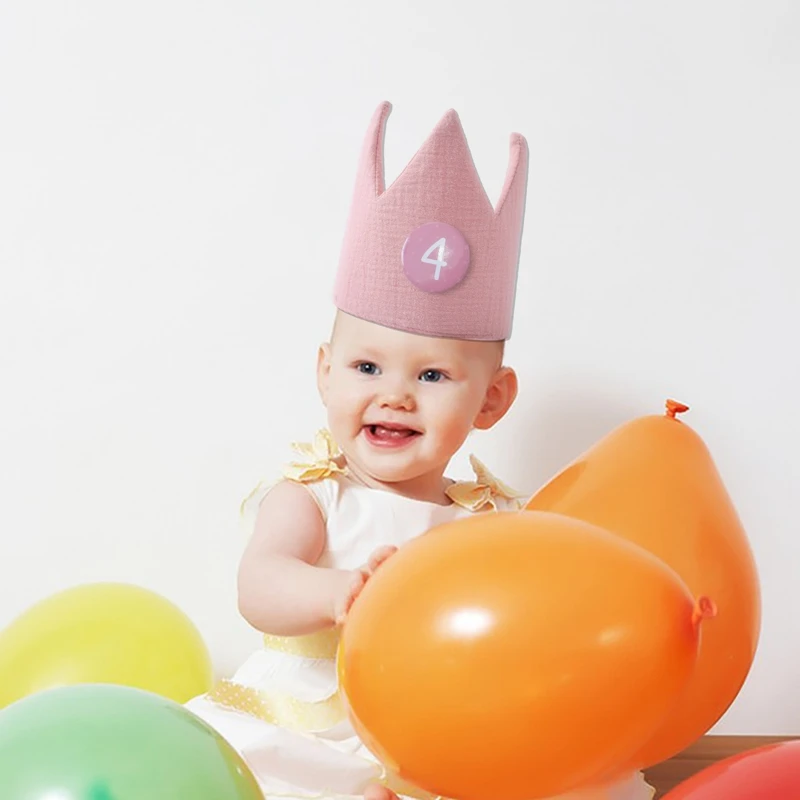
point(345, 401)
point(455, 424)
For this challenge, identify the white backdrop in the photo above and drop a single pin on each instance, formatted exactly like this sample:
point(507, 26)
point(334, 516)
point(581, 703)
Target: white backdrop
point(174, 181)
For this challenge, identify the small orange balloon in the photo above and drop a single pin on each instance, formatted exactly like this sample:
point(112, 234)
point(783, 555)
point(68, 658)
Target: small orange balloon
point(515, 655)
point(653, 482)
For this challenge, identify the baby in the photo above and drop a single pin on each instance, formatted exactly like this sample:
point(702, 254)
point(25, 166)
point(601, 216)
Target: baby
point(399, 406)
point(425, 294)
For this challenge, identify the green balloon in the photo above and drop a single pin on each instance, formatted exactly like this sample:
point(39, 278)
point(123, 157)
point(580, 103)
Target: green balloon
point(104, 742)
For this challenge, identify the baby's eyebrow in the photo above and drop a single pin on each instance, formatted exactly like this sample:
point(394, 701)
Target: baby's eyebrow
point(436, 363)
point(365, 352)
point(443, 363)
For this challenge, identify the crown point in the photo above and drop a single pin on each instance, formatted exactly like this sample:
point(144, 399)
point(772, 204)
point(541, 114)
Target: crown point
point(517, 172)
point(450, 119)
point(381, 113)
point(518, 149)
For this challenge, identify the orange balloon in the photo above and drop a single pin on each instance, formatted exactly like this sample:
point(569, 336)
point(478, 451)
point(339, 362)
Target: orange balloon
point(653, 482)
point(515, 655)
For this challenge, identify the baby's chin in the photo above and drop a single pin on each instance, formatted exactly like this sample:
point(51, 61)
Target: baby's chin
point(386, 470)
point(388, 475)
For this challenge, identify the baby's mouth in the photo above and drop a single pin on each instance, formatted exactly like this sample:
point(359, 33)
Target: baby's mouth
point(390, 432)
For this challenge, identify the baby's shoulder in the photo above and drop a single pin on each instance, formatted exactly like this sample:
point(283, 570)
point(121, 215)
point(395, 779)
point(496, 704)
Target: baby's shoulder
point(486, 492)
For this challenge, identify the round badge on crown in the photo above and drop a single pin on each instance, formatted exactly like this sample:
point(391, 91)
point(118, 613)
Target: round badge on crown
point(435, 257)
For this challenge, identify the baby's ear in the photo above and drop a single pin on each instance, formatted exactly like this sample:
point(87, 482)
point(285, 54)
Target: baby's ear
point(323, 371)
point(499, 398)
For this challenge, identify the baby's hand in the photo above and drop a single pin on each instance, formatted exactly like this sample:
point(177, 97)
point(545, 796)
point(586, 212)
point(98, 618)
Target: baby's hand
point(378, 557)
point(360, 577)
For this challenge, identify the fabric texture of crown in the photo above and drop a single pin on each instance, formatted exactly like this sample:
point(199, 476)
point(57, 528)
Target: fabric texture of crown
point(429, 254)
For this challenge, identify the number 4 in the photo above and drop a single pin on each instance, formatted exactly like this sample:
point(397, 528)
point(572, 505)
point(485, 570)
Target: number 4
point(438, 262)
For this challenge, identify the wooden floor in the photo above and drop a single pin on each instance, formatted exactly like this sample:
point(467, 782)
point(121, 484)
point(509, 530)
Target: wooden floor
point(709, 749)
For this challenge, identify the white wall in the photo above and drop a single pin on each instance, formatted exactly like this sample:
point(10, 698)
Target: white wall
point(174, 180)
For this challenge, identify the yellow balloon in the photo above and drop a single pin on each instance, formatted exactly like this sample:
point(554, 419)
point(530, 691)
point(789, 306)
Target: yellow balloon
point(104, 633)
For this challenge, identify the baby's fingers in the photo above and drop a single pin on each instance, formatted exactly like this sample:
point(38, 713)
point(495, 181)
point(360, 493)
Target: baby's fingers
point(354, 590)
point(379, 556)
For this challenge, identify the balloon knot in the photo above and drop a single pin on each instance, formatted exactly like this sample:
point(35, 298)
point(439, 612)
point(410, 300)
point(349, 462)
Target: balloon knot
point(704, 608)
point(674, 408)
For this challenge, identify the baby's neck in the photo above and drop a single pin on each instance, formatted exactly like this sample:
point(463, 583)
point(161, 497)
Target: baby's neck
point(428, 488)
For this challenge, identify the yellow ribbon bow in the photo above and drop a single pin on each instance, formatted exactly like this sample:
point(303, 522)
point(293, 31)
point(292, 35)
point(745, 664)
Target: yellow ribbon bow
point(483, 491)
point(321, 463)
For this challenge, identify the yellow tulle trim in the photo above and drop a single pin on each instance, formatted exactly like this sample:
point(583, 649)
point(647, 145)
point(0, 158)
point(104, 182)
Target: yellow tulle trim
point(258, 488)
point(322, 644)
point(279, 709)
point(483, 492)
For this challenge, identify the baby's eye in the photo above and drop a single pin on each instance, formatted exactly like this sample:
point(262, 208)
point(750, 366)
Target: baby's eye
point(432, 376)
point(367, 368)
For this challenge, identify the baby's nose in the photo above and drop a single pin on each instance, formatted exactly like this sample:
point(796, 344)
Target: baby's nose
point(397, 397)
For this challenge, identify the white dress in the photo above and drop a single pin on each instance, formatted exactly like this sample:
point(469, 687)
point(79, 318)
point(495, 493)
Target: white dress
point(282, 709)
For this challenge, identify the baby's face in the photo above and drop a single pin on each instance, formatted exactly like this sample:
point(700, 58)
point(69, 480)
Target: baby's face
point(400, 405)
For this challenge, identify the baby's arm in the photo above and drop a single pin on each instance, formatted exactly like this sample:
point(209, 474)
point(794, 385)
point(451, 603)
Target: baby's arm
point(280, 590)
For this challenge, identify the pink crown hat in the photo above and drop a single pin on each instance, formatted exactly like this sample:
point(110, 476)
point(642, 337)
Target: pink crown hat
point(430, 255)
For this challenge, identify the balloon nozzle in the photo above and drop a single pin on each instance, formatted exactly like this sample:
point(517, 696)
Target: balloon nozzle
point(704, 608)
point(674, 408)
